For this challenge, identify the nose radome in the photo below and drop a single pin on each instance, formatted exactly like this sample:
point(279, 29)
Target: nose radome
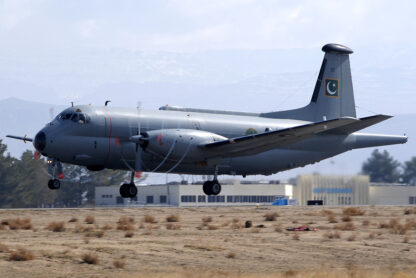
point(40, 141)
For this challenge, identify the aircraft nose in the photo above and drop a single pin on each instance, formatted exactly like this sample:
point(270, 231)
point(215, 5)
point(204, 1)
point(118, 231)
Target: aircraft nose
point(40, 141)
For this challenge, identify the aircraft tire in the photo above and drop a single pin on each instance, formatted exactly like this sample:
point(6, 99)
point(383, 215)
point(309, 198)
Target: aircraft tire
point(123, 190)
point(206, 187)
point(131, 190)
point(54, 184)
point(215, 188)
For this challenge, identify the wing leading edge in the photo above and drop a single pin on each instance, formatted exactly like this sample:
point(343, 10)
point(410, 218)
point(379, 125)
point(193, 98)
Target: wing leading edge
point(260, 142)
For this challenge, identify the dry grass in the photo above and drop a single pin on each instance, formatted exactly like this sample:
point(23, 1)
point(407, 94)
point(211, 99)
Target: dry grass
point(213, 227)
point(89, 219)
point(56, 226)
point(327, 212)
point(408, 211)
point(3, 248)
point(21, 254)
point(129, 234)
point(352, 237)
point(271, 216)
point(149, 219)
point(206, 219)
point(18, 223)
point(231, 255)
point(348, 226)
point(172, 218)
point(172, 226)
point(332, 235)
point(351, 211)
point(332, 219)
point(73, 219)
point(107, 227)
point(90, 258)
point(125, 224)
point(296, 236)
point(366, 223)
point(346, 218)
point(119, 263)
point(406, 239)
point(97, 234)
point(82, 229)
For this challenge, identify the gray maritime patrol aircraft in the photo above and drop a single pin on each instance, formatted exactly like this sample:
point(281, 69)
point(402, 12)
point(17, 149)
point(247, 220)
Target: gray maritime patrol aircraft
point(212, 142)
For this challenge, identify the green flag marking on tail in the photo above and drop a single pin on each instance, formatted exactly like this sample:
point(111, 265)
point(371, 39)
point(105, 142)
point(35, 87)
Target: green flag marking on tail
point(331, 88)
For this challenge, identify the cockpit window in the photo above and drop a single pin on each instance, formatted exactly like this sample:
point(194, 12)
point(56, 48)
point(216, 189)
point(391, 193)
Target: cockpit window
point(75, 117)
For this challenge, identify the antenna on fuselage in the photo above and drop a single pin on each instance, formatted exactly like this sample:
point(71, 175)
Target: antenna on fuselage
point(107, 101)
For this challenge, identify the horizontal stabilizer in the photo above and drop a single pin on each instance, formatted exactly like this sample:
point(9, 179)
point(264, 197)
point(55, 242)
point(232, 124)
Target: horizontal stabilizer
point(361, 124)
point(261, 142)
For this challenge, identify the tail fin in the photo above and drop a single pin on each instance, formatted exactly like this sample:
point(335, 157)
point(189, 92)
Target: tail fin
point(333, 96)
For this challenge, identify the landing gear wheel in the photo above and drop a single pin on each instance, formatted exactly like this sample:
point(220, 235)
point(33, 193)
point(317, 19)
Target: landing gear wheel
point(128, 190)
point(206, 187)
point(54, 184)
point(215, 187)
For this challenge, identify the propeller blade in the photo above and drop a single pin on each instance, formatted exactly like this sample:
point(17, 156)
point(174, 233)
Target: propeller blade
point(24, 138)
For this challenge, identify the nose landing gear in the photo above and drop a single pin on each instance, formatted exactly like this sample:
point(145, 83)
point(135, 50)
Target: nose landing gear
point(212, 187)
point(54, 183)
point(129, 190)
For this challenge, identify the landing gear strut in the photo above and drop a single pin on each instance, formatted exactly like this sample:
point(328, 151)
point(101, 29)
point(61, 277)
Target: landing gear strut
point(54, 183)
point(129, 190)
point(212, 187)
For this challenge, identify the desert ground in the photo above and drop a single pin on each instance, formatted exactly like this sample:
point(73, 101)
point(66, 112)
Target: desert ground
point(366, 241)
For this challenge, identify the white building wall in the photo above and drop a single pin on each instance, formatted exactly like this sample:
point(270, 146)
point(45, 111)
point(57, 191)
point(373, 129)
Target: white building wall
point(392, 195)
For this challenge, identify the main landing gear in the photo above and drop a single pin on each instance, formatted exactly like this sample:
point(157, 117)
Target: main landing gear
point(212, 187)
point(54, 184)
point(129, 190)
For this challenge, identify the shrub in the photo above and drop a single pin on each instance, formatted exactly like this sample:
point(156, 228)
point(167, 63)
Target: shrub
point(278, 228)
point(18, 223)
point(129, 234)
point(366, 223)
point(271, 216)
point(206, 219)
point(346, 218)
point(213, 227)
point(352, 237)
point(371, 235)
point(348, 226)
point(125, 224)
point(332, 219)
point(56, 226)
point(21, 254)
point(231, 255)
point(353, 211)
point(327, 212)
point(149, 219)
point(332, 235)
point(3, 248)
point(73, 219)
point(119, 263)
point(106, 227)
point(90, 258)
point(172, 218)
point(98, 234)
point(296, 236)
point(89, 219)
point(171, 226)
point(248, 224)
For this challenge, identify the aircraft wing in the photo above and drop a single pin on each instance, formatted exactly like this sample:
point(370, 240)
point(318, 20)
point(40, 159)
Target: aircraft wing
point(260, 142)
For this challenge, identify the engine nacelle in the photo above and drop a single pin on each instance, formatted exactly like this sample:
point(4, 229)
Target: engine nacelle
point(180, 142)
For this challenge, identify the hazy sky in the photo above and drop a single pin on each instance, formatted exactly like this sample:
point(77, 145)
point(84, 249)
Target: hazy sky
point(182, 25)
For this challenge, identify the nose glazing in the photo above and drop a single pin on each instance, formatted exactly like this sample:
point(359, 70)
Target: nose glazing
point(40, 141)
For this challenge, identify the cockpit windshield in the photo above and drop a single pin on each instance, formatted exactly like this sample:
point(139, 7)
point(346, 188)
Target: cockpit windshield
point(77, 117)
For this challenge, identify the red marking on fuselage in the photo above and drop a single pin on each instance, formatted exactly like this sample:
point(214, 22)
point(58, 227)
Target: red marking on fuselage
point(109, 136)
point(159, 139)
point(117, 142)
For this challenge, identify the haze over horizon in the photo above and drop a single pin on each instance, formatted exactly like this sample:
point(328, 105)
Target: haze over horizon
point(232, 55)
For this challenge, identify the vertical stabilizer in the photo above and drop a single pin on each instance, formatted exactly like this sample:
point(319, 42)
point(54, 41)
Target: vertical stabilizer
point(333, 96)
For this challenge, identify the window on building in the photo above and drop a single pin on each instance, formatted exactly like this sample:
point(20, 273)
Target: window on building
point(188, 198)
point(149, 199)
point(201, 199)
point(120, 200)
point(412, 200)
point(163, 199)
